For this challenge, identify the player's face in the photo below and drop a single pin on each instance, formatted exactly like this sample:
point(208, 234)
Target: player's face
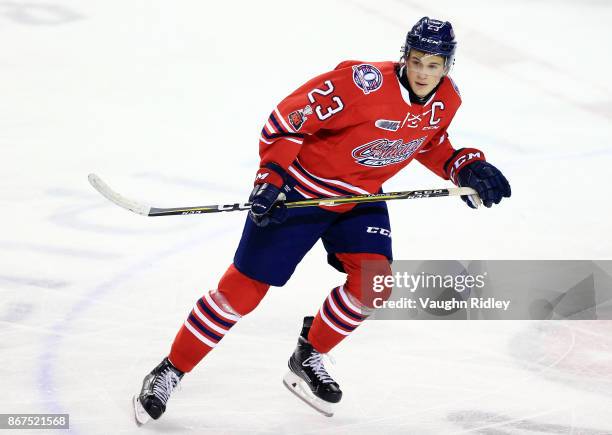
point(424, 71)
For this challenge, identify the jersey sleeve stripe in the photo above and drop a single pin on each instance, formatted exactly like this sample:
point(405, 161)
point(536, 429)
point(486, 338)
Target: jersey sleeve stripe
point(276, 124)
point(280, 135)
point(269, 127)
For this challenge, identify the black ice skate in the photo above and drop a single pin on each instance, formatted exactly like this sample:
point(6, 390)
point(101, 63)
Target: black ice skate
point(307, 377)
point(157, 387)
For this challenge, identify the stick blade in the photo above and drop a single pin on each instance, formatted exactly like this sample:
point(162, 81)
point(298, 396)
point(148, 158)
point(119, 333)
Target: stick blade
point(114, 197)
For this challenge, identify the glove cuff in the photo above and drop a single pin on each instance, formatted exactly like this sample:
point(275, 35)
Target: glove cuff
point(271, 173)
point(460, 159)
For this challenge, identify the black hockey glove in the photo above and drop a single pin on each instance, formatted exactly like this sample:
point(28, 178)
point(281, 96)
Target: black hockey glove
point(468, 168)
point(487, 180)
point(268, 195)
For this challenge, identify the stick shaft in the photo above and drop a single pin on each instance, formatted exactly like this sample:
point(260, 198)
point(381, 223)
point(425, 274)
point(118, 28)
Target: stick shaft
point(146, 210)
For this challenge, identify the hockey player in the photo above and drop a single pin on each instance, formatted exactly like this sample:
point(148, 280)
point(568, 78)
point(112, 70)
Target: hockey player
point(343, 132)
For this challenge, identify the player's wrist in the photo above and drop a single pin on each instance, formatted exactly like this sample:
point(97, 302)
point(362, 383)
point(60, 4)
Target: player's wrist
point(271, 173)
point(460, 159)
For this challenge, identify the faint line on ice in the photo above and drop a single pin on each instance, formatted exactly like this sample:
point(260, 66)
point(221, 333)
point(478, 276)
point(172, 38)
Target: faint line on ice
point(35, 282)
point(47, 249)
point(45, 378)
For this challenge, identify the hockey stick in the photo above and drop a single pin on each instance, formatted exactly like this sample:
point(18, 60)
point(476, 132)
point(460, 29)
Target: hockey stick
point(147, 210)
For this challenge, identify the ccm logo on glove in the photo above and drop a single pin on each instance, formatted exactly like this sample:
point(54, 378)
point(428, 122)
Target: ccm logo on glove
point(468, 168)
point(461, 158)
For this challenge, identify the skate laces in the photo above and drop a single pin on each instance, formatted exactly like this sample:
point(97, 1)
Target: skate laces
point(165, 383)
point(315, 362)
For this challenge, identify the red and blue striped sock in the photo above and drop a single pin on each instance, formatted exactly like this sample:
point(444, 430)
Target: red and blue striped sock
point(336, 319)
point(206, 325)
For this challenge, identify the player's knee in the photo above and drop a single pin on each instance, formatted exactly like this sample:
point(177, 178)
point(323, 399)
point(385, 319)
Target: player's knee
point(367, 279)
point(240, 293)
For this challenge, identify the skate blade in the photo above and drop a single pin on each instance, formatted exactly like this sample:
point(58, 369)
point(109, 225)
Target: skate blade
point(300, 388)
point(140, 415)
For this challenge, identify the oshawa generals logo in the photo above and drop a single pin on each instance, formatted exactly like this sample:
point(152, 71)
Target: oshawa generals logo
point(384, 152)
point(367, 77)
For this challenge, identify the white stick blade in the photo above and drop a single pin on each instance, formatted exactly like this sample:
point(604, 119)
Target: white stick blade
point(117, 199)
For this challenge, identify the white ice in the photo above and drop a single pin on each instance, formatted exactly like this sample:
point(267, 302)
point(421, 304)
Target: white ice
point(165, 100)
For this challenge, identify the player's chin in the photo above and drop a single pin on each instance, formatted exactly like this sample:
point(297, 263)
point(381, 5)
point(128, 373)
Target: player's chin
point(421, 88)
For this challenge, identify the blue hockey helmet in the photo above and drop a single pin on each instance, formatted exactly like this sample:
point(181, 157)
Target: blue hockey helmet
point(433, 37)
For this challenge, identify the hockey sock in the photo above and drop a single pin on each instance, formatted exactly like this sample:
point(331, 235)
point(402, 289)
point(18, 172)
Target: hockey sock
point(350, 304)
point(337, 318)
point(204, 328)
point(213, 315)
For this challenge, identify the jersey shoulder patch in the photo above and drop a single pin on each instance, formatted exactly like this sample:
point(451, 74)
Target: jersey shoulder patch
point(368, 77)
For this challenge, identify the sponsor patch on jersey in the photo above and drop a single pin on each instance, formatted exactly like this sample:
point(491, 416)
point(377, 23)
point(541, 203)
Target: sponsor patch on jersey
point(298, 117)
point(367, 77)
point(385, 124)
point(384, 152)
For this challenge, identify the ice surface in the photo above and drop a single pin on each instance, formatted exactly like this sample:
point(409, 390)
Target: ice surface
point(165, 100)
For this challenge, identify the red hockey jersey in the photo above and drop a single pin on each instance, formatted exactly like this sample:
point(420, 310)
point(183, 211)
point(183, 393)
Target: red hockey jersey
point(349, 130)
